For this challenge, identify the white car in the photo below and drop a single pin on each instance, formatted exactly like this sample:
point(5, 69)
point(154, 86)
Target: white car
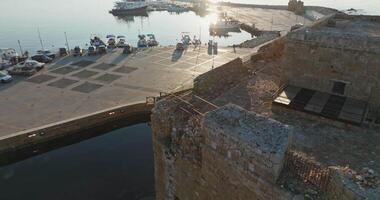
point(32, 64)
point(5, 77)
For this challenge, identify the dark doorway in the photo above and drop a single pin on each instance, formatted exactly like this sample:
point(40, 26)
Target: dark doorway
point(339, 87)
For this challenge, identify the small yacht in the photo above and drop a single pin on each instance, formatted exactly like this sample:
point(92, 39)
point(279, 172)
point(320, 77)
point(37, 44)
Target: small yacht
point(8, 54)
point(177, 9)
point(129, 7)
point(226, 24)
point(142, 42)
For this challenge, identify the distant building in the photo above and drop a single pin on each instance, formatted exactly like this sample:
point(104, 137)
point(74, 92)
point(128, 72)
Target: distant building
point(296, 7)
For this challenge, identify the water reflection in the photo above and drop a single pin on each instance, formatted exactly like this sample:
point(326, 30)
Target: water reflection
point(22, 154)
point(116, 165)
point(129, 19)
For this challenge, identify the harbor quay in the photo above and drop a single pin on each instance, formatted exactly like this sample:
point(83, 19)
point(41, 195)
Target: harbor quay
point(76, 87)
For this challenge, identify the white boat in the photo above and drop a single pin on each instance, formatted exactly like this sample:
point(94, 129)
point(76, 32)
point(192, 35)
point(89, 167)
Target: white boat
point(177, 9)
point(8, 54)
point(129, 7)
point(225, 24)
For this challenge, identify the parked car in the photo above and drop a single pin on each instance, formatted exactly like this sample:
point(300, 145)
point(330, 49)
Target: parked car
point(63, 52)
point(32, 64)
point(127, 49)
point(47, 53)
point(5, 77)
point(296, 26)
point(102, 49)
point(42, 58)
point(91, 51)
point(22, 70)
point(180, 46)
point(78, 51)
point(4, 64)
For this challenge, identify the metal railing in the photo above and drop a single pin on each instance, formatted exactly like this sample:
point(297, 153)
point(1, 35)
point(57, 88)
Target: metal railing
point(306, 171)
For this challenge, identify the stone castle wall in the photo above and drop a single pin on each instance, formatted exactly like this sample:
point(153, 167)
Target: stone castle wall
point(221, 79)
point(315, 60)
point(230, 154)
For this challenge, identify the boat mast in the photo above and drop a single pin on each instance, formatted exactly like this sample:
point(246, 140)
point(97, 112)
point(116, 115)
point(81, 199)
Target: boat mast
point(200, 34)
point(67, 43)
point(39, 36)
point(19, 44)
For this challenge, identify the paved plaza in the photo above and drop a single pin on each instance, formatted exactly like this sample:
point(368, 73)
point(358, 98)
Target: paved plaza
point(75, 86)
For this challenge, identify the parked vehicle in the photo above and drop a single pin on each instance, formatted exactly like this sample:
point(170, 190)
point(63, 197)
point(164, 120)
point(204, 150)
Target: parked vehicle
point(22, 70)
point(152, 42)
point(42, 58)
point(47, 53)
point(296, 26)
point(96, 41)
point(186, 39)
point(63, 52)
point(4, 64)
point(142, 43)
point(35, 64)
point(78, 51)
point(31, 64)
point(128, 49)
point(5, 77)
point(102, 49)
point(91, 51)
point(180, 46)
point(121, 43)
point(111, 42)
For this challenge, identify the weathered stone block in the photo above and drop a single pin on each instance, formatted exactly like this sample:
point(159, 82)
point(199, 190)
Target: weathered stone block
point(255, 136)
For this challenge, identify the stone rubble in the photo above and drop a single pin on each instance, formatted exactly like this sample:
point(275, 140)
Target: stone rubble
point(365, 178)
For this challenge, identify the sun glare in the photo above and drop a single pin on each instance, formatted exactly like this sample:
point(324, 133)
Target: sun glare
point(210, 19)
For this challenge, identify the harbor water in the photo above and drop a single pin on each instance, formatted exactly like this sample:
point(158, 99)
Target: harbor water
point(81, 19)
point(115, 162)
point(116, 165)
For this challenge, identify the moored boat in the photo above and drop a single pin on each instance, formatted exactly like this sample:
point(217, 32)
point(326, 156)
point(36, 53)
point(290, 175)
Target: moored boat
point(225, 24)
point(129, 7)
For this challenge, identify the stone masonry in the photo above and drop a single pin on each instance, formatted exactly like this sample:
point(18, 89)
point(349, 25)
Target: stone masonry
point(345, 49)
point(230, 154)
